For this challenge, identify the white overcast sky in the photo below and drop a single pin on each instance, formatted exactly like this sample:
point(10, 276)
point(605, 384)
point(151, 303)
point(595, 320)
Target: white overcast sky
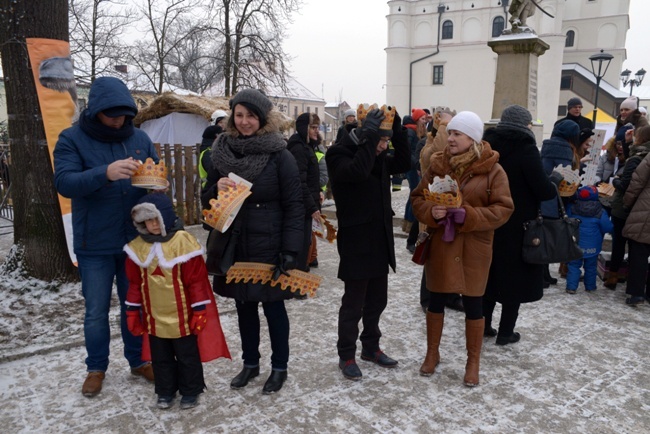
point(338, 53)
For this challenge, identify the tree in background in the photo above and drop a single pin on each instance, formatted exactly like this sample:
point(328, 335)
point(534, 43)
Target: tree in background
point(97, 32)
point(152, 54)
point(252, 32)
point(38, 228)
point(194, 63)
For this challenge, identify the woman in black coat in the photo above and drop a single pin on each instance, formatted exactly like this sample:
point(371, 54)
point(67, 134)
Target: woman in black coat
point(270, 224)
point(359, 168)
point(512, 281)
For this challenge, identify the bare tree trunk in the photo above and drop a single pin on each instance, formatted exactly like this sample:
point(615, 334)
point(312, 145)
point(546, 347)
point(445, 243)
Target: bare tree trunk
point(227, 68)
point(38, 228)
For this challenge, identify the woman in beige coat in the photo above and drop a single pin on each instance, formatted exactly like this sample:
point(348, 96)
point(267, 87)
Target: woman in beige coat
point(460, 251)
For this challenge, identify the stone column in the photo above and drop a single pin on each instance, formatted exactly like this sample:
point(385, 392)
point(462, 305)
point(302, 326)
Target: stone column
point(516, 80)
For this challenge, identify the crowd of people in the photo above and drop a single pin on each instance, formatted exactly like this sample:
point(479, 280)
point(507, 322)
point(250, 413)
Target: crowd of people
point(501, 180)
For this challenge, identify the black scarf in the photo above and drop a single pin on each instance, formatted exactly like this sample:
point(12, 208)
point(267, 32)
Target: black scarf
point(98, 131)
point(245, 156)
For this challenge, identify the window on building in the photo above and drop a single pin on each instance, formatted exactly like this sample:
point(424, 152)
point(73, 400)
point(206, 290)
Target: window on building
point(570, 38)
point(295, 112)
point(562, 110)
point(438, 74)
point(447, 30)
point(498, 24)
point(565, 82)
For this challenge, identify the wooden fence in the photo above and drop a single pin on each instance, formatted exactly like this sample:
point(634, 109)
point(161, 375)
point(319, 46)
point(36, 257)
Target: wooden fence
point(184, 180)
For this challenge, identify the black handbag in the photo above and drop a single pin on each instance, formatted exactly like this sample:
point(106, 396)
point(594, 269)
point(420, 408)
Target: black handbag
point(548, 241)
point(221, 248)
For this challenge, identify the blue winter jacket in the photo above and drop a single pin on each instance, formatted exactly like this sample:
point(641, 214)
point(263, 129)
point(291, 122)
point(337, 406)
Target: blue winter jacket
point(101, 209)
point(594, 224)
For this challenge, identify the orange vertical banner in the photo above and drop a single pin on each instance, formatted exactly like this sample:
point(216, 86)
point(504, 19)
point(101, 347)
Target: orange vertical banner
point(57, 97)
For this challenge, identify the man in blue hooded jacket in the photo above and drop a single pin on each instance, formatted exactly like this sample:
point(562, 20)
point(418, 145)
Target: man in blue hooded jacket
point(93, 164)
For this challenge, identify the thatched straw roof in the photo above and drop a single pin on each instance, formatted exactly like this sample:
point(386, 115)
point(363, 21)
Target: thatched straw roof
point(169, 102)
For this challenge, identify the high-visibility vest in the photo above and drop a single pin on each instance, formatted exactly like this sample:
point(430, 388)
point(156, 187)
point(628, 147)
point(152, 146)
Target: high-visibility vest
point(203, 174)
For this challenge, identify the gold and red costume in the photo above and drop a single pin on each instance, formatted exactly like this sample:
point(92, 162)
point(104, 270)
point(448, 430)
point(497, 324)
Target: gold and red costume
point(167, 280)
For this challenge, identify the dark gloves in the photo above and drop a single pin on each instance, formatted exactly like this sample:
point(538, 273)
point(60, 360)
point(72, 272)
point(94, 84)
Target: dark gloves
point(369, 130)
point(286, 262)
point(134, 322)
point(556, 177)
point(373, 120)
point(198, 320)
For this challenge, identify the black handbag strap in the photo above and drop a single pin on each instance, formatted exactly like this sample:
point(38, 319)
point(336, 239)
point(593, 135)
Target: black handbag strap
point(560, 205)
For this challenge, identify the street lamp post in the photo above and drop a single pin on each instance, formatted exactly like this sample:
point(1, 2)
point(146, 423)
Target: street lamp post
point(636, 81)
point(597, 61)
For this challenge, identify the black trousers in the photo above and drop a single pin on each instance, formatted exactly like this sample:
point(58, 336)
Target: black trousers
point(363, 300)
point(176, 366)
point(638, 275)
point(618, 244)
point(249, 330)
point(473, 306)
point(509, 315)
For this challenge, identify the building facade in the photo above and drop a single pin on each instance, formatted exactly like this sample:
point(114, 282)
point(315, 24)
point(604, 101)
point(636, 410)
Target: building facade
point(437, 52)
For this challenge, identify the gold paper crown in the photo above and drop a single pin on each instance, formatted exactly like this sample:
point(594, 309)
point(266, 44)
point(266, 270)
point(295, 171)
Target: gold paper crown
point(389, 113)
point(571, 181)
point(150, 175)
point(450, 200)
point(362, 112)
point(567, 189)
point(297, 281)
point(223, 206)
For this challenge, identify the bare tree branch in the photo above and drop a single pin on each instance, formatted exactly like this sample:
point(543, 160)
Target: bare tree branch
point(96, 31)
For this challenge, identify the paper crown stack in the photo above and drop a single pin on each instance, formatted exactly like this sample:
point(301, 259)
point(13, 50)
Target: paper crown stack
point(220, 214)
point(150, 175)
point(571, 180)
point(444, 191)
point(389, 115)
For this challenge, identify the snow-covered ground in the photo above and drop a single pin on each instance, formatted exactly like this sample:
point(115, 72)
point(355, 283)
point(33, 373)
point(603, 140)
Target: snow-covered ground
point(581, 366)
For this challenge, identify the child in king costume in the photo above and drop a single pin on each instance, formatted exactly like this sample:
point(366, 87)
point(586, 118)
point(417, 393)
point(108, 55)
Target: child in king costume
point(170, 301)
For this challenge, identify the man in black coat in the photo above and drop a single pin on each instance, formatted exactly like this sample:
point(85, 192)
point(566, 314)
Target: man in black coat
point(360, 170)
point(574, 113)
point(301, 144)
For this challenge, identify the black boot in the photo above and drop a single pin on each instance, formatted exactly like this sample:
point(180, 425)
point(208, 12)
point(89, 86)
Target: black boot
point(242, 379)
point(275, 382)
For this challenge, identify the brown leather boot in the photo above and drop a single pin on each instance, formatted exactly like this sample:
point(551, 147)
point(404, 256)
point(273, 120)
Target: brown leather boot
point(612, 280)
point(435, 321)
point(474, 340)
point(93, 384)
point(145, 371)
point(563, 269)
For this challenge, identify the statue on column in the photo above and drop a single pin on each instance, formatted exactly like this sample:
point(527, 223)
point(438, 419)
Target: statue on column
point(519, 12)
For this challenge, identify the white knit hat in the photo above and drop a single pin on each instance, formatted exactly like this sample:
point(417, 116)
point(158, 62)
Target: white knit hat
point(630, 103)
point(467, 123)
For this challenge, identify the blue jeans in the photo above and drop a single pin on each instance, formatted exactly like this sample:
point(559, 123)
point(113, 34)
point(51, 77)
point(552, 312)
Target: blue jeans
point(97, 275)
point(573, 273)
